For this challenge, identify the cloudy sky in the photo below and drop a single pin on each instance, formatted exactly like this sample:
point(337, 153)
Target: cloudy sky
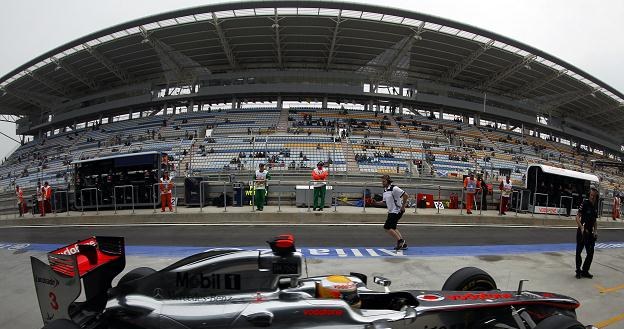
point(584, 33)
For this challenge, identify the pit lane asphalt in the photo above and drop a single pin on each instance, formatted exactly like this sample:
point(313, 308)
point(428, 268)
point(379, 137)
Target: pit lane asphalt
point(305, 235)
point(547, 271)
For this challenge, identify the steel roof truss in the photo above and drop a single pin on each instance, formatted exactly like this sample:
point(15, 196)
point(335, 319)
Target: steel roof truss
point(224, 42)
point(507, 71)
point(174, 62)
point(276, 38)
point(116, 70)
point(567, 98)
point(40, 100)
point(76, 74)
point(537, 83)
point(605, 110)
point(49, 83)
point(332, 44)
point(453, 72)
point(389, 73)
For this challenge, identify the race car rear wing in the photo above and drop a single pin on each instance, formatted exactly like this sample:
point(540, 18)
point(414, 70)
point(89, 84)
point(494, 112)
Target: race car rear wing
point(96, 261)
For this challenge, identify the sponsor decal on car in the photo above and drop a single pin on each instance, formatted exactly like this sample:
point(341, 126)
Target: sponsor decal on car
point(480, 296)
point(52, 282)
point(72, 250)
point(430, 298)
point(208, 281)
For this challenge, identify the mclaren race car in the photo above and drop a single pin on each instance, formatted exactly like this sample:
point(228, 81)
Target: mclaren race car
point(232, 288)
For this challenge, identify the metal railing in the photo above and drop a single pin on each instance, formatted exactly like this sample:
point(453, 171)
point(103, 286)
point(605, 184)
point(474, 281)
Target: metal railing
point(535, 202)
point(515, 199)
point(201, 195)
point(124, 187)
point(311, 188)
point(97, 202)
point(54, 201)
point(561, 204)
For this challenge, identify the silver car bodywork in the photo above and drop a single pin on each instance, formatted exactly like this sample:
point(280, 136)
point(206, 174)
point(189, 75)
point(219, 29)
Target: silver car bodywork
point(265, 288)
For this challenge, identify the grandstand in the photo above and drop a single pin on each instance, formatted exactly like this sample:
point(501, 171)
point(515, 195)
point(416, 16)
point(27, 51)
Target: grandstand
point(365, 89)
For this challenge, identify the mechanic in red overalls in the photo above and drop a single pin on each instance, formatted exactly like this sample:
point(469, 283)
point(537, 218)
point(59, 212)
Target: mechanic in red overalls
point(166, 185)
point(47, 197)
point(40, 199)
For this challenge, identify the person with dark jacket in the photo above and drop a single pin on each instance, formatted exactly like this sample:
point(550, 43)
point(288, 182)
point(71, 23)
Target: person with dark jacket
point(587, 233)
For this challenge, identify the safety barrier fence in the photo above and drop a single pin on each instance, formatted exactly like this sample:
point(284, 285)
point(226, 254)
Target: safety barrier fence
point(54, 210)
point(277, 188)
point(97, 203)
point(124, 188)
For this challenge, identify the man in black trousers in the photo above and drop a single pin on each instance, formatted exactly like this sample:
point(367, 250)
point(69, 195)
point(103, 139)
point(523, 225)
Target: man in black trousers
point(587, 233)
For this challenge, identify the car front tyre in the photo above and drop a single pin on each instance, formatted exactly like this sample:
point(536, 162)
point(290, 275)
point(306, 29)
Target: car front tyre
point(469, 279)
point(559, 321)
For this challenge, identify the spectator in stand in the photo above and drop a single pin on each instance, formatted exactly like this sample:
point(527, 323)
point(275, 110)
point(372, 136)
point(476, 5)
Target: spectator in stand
point(319, 175)
point(21, 205)
point(505, 187)
point(471, 186)
point(166, 185)
point(40, 199)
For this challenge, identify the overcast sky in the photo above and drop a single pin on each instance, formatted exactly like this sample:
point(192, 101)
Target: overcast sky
point(587, 34)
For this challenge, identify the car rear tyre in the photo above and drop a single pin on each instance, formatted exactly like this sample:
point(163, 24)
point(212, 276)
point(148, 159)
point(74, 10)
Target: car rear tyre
point(559, 322)
point(61, 324)
point(469, 279)
point(137, 273)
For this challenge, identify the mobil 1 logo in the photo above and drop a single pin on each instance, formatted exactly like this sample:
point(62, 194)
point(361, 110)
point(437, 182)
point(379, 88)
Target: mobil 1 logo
point(216, 281)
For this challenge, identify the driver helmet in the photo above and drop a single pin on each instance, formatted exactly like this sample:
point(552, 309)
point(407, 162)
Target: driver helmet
point(339, 287)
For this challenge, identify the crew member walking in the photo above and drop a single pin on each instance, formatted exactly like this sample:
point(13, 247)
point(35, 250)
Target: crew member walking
point(395, 200)
point(471, 186)
point(21, 205)
point(587, 233)
point(260, 183)
point(319, 175)
point(615, 212)
point(40, 199)
point(166, 185)
point(505, 188)
point(47, 197)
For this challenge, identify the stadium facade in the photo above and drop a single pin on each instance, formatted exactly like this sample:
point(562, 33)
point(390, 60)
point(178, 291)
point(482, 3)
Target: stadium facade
point(203, 78)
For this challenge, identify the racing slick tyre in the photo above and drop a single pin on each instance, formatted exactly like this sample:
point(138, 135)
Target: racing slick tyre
point(559, 321)
point(61, 324)
point(469, 279)
point(137, 273)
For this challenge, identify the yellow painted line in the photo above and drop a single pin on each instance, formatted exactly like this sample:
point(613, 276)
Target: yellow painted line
point(609, 322)
point(604, 290)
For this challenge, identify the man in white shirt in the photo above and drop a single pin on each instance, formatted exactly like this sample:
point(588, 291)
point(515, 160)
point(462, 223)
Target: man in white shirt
point(395, 200)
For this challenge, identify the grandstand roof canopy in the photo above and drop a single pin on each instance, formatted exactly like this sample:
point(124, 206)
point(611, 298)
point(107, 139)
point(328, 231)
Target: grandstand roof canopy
point(388, 45)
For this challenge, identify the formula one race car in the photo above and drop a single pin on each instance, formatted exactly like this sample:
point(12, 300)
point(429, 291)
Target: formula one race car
point(232, 288)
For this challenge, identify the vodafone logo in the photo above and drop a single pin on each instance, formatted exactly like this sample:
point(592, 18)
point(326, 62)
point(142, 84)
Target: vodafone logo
point(71, 250)
point(430, 298)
